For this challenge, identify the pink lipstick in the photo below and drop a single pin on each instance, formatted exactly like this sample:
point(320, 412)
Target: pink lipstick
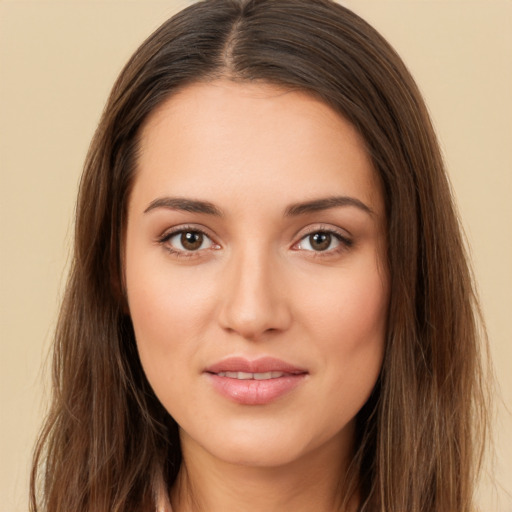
point(257, 382)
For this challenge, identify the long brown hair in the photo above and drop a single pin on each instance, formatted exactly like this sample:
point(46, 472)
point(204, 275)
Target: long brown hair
point(107, 439)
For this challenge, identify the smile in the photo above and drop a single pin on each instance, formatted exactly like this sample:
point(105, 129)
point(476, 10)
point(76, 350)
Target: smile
point(256, 382)
point(249, 376)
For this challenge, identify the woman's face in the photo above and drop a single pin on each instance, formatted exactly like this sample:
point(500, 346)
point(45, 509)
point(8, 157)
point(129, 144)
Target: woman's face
point(255, 271)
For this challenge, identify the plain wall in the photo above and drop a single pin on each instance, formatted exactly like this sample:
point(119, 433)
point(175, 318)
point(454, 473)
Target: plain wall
point(58, 61)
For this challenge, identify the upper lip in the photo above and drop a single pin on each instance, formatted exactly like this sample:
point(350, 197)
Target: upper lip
point(261, 365)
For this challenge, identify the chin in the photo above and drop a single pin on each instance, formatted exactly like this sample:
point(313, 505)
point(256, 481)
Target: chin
point(265, 444)
point(256, 455)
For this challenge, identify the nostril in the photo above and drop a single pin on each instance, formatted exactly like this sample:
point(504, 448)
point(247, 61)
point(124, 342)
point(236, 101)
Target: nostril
point(253, 303)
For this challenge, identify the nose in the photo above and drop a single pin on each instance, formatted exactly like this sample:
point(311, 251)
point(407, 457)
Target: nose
point(254, 300)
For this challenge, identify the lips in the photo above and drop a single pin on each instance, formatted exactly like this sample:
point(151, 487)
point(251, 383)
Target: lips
point(257, 382)
point(249, 376)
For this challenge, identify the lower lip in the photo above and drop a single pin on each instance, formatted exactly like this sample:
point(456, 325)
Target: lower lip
point(255, 392)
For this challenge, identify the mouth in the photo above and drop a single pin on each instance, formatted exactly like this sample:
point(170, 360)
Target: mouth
point(257, 382)
point(249, 376)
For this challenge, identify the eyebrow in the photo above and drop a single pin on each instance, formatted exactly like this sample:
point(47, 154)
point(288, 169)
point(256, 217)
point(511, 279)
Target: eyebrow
point(186, 205)
point(296, 209)
point(326, 203)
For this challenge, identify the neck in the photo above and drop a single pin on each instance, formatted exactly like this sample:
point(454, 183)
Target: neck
point(312, 483)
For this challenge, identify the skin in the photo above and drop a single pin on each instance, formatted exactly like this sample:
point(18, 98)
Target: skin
point(258, 285)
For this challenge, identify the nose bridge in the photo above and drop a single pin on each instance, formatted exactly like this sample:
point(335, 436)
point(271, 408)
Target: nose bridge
point(254, 302)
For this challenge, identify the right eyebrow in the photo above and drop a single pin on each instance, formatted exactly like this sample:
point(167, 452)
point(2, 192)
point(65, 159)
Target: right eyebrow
point(186, 205)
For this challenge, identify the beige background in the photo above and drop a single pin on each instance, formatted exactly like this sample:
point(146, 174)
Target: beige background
point(57, 63)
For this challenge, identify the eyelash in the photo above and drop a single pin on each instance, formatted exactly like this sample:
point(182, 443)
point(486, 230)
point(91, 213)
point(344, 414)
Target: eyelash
point(164, 239)
point(344, 242)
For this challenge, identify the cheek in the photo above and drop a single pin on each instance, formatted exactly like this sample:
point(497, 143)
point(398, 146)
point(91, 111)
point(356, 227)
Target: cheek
point(164, 298)
point(351, 307)
point(165, 315)
point(348, 322)
point(171, 308)
point(160, 319)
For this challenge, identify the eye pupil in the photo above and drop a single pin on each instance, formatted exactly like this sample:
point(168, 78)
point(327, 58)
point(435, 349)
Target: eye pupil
point(191, 240)
point(320, 241)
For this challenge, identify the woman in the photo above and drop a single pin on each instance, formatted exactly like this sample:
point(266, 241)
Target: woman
point(269, 305)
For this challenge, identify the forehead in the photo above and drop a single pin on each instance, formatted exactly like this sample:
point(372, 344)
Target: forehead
point(251, 141)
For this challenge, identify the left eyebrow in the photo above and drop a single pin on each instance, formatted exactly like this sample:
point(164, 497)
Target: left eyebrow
point(325, 204)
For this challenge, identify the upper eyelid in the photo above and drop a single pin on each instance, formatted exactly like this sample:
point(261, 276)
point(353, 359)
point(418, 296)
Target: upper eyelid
point(340, 233)
point(169, 232)
point(325, 228)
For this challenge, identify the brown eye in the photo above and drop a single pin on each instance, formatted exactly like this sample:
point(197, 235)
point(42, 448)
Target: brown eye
point(323, 241)
point(320, 241)
point(191, 240)
point(187, 241)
